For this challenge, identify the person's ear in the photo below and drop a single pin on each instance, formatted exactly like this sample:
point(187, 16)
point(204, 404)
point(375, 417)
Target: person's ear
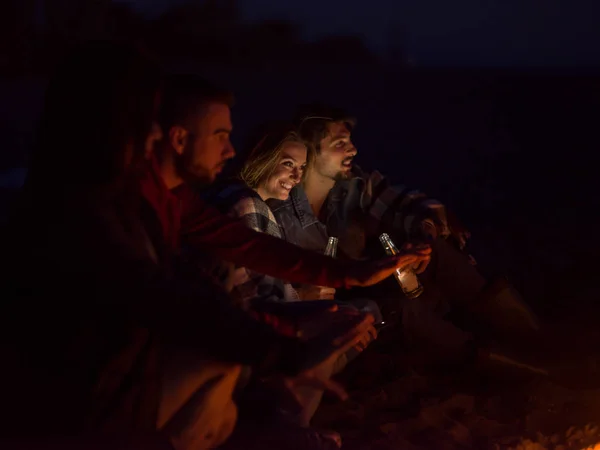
point(178, 138)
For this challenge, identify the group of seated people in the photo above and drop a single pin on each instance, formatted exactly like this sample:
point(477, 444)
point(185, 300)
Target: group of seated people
point(144, 299)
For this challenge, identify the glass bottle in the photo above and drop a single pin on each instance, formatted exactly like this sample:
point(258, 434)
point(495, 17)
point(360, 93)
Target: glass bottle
point(406, 277)
point(331, 249)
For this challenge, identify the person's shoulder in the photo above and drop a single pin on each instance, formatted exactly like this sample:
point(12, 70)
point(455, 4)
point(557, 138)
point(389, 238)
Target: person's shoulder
point(226, 188)
point(228, 193)
point(256, 214)
point(249, 204)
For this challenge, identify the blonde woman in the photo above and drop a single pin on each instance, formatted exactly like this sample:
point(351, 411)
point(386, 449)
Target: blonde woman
point(275, 165)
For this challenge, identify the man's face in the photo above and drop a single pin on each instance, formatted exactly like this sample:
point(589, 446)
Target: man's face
point(208, 147)
point(334, 160)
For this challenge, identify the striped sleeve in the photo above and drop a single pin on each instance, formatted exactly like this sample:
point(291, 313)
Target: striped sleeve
point(251, 287)
point(396, 207)
point(257, 215)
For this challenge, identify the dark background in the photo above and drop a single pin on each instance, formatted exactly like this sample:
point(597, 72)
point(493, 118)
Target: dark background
point(492, 107)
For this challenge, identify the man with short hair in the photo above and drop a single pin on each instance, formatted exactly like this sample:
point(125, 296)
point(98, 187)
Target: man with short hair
point(196, 119)
point(339, 199)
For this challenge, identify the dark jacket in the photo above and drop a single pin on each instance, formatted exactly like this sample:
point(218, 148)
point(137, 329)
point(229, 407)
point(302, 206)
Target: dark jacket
point(298, 223)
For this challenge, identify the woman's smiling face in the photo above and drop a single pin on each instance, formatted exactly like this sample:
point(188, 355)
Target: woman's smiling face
point(287, 173)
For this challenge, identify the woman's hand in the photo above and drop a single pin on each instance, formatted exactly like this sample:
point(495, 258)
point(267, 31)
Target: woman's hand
point(307, 292)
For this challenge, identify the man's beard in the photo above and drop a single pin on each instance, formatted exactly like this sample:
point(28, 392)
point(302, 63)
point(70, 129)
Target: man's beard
point(192, 176)
point(343, 175)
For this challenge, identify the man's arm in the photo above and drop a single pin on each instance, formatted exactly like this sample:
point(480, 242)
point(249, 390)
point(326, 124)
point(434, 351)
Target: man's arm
point(205, 229)
point(410, 212)
point(396, 207)
point(200, 317)
point(189, 313)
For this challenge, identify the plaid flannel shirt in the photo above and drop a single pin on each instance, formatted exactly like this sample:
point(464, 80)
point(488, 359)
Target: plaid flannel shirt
point(396, 207)
point(361, 208)
point(251, 288)
point(357, 211)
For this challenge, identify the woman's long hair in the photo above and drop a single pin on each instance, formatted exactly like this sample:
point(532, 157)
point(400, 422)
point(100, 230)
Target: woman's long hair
point(265, 153)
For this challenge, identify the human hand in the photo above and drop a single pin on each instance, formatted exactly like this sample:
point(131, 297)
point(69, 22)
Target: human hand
point(308, 292)
point(420, 266)
point(457, 230)
point(372, 272)
point(367, 337)
point(328, 347)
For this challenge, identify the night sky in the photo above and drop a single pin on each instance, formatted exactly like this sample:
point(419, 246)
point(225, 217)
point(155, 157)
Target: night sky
point(448, 32)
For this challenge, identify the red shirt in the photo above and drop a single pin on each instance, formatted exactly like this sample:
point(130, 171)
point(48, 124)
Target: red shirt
point(183, 213)
point(228, 239)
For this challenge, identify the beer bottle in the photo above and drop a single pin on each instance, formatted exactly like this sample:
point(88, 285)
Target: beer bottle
point(406, 277)
point(331, 249)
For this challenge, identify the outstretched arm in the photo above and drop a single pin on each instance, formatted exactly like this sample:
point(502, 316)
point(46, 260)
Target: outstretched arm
point(409, 212)
point(205, 229)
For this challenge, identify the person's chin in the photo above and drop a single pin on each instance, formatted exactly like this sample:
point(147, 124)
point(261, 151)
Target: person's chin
point(344, 175)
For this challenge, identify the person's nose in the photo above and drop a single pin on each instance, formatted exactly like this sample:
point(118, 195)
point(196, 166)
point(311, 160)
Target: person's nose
point(229, 150)
point(296, 175)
